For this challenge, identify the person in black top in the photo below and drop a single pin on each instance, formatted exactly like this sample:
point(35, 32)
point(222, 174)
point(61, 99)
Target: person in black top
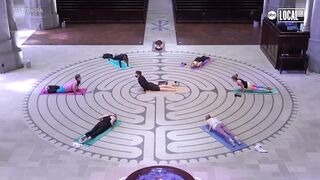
point(199, 61)
point(105, 122)
point(151, 86)
point(122, 57)
point(158, 45)
point(247, 85)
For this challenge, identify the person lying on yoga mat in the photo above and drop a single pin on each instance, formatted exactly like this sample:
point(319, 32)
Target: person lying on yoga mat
point(199, 61)
point(247, 85)
point(158, 45)
point(71, 86)
point(222, 129)
point(151, 86)
point(105, 122)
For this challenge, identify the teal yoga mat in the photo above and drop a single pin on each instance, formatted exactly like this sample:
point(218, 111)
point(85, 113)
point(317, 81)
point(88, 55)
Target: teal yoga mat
point(115, 63)
point(246, 91)
point(92, 141)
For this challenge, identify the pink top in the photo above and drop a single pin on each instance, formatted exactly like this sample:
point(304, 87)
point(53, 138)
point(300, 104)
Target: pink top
point(68, 86)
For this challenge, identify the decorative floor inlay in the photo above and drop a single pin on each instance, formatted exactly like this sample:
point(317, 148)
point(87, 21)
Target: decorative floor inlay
point(158, 127)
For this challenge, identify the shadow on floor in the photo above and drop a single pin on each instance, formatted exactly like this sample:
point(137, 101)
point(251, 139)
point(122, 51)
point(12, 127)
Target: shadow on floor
point(90, 34)
point(217, 34)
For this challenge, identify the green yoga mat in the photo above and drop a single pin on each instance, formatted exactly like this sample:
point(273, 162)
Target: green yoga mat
point(115, 63)
point(246, 91)
point(92, 141)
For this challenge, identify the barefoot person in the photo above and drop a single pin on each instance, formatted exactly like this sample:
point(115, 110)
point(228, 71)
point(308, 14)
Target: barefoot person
point(151, 86)
point(250, 86)
point(220, 128)
point(199, 61)
point(105, 122)
point(71, 86)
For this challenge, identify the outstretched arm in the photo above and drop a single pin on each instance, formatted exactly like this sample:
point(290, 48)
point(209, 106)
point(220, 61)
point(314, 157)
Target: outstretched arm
point(210, 127)
point(74, 88)
point(239, 83)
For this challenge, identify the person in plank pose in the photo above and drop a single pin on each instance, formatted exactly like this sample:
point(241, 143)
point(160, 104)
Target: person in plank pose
point(105, 122)
point(217, 126)
point(151, 86)
point(122, 57)
point(71, 86)
point(119, 58)
point(249, 86)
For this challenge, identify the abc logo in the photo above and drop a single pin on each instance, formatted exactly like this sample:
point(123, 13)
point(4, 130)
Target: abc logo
point(300, 13)
point(272, 15)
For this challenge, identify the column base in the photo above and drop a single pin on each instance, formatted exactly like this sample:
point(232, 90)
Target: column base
point(41, 22)
point(314, 55)
point(11, 60)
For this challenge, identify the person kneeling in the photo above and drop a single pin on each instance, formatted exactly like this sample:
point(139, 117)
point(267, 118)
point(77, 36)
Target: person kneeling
point(105, 122)
point(158, 45)
point(151, 86)
point(221, 129)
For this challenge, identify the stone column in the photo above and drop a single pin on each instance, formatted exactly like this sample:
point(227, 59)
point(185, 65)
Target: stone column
point(307, 15)
point(265, 10)
point(314, 41)
point(41, 14)
point(10, 56)
point(288, 3)
point(12, 24)
point(274, 5)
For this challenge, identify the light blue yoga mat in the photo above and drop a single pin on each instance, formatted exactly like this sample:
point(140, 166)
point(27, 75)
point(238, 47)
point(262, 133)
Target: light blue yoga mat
point(115, 63)
point(247, 91)
point(222, 140)
point(92, 141)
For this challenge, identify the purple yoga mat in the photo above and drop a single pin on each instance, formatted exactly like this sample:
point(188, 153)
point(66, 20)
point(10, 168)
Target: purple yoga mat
point(81, 91)
point(206, 63)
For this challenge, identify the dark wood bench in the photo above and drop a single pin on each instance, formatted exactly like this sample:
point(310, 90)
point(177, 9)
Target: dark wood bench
point(284, 50)
point(293, 62)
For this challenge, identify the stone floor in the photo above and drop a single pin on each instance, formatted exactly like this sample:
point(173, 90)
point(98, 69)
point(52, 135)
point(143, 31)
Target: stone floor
point(293, 153)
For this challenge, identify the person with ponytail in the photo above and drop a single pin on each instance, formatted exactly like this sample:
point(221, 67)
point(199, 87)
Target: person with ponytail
point(249, 86)
point(219, 127)
point(71, 86)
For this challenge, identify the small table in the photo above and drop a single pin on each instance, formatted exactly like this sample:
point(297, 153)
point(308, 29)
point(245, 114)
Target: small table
point(293, 63)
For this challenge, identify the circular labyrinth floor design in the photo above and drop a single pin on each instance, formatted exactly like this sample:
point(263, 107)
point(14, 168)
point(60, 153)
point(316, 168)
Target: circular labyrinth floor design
point(158, 127)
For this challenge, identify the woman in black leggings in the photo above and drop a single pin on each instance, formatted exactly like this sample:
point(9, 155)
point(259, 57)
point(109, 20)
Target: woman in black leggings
point(104, 124)
point(122, 57)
